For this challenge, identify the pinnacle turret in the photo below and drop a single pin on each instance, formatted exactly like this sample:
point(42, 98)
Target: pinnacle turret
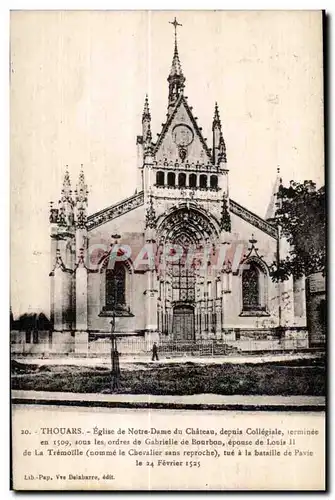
point(146, 128)
point(66, 202)
point(219, 146)
point(146, 110)
point(216, 119)
point(148, 145)
point(66, 190)
point(146, 120)
point(222, 153)
point(81, 191)
point(81, 200)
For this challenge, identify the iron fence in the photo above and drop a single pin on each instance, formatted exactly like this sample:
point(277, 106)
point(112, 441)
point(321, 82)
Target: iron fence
point(141, 347)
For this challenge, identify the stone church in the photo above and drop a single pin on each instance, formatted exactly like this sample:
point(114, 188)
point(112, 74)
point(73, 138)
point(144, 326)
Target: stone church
point(190, 263)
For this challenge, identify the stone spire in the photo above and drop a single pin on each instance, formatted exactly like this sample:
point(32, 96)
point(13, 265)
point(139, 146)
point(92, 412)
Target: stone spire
point(146, 128)
point(176, 70)
point(219, 145)
point(81, 199)
point(66, 202)
point(176, 78)
point(66, 191)
point(146, 119)
point(274, 202)
point(217, 133)
point(146, 111)
point(216, 119)
point(81, 191)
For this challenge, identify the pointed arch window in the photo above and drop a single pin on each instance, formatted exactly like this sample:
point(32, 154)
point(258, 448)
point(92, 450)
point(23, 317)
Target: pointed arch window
point(254, 289)
point(250, 287)
point(116, 290)
point(116, 287)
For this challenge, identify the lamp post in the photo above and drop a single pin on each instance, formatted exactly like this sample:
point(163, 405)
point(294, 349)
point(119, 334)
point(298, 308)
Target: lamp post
point(115, 372)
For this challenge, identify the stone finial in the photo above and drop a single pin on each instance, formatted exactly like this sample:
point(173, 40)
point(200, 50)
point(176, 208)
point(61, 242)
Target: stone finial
point(216, 119)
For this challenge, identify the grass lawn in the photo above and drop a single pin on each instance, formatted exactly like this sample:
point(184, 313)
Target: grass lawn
point(302, 377)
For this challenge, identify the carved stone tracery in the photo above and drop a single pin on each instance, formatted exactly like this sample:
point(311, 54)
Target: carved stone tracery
point(187, 221)
point(150, 216)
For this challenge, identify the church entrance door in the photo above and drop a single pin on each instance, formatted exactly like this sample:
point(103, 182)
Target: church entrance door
point(183, 323)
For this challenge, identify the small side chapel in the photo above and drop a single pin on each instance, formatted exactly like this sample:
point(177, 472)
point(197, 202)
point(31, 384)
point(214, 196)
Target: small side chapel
point(182, 198)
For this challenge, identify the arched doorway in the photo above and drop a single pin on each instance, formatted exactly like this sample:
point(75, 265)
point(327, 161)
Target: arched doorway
point(183, 300)
point(183, 322)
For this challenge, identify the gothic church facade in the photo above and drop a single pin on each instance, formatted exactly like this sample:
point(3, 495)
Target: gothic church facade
point(217, 287)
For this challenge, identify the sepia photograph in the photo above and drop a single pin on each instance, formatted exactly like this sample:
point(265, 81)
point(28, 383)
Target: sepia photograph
point(168, 250)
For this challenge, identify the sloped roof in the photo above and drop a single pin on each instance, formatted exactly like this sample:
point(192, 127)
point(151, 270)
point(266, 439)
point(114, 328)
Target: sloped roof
point(273, 203)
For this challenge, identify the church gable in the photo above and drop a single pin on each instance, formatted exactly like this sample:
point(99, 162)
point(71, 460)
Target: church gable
point(181, 138)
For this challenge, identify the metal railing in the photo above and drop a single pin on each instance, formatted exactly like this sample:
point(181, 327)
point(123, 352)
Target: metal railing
point(141, 347)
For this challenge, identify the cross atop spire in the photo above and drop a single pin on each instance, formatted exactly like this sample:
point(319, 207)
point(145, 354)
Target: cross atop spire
point(175, 24)
point(176, 66)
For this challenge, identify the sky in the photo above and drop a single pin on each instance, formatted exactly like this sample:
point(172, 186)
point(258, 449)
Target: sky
point(78, 80)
